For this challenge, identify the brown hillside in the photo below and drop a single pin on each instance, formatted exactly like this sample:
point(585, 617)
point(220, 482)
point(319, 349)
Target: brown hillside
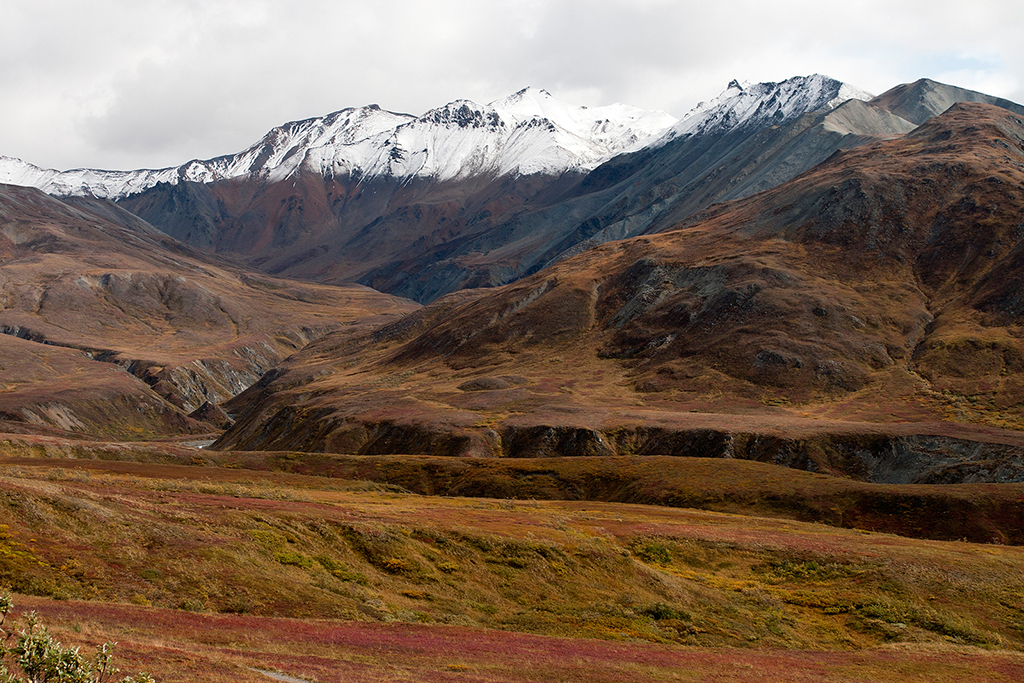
point(877, 287)
point(111, 326)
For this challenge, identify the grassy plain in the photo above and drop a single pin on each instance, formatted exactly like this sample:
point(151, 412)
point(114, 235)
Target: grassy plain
point(200, 571)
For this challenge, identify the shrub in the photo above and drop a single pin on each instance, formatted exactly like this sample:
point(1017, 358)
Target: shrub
point(35, 656)
point(395, 565)
point(660, 611)
point(294, 559)
point(416, 595)
point(653, 553)
point(340, 571)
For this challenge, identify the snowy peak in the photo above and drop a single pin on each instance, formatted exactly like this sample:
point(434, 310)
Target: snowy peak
point(764, 104)
point(526, 133)
point(14, 171)
point(463, 114)
point(611, 125)
point(533, 103)
point(529, 98)
point(286, 148)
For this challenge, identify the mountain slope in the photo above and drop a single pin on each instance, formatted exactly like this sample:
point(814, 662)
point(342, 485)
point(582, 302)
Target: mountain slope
point(736, 154)
point(877, 287)
point(422, 206)
point(110, 326)
point(919, 101)
point(423, 237)
point(417, 205)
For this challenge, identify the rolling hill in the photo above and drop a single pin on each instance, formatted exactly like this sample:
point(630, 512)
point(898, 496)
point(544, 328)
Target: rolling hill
point(112, 327)
point(876, 288)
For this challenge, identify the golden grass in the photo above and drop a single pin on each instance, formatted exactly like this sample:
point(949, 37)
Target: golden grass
point(191, 567)
point(561, 568)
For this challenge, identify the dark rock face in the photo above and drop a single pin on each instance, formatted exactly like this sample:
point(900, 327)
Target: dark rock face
point(186, 211)
point(548, 441)
point(917, 459)
point(878, 458)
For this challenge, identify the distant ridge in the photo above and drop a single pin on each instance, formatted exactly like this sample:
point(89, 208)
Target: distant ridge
point(921, 100)
point(529, 132)
point(470, 195)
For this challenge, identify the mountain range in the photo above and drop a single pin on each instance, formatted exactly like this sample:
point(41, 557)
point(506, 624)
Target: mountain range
point(814, 320)
point(795, 258)
point(472, 195)
point(445, 397)
point(416, 205)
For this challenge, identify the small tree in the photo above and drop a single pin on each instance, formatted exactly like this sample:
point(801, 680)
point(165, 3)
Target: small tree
point(29, 654)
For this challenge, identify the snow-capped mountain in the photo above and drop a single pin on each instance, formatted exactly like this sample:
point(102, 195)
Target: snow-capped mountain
point(83, 181)
point(527, 133)
point(353, 196)
point(744, 105)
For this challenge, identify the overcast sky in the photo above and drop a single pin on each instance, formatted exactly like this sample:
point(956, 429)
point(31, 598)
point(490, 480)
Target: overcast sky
point(127, 84)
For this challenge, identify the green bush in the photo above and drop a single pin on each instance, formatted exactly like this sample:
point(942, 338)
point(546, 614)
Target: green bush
point(340, 571)
point(653, 553)
point(660, 611)
point(294, 559)
point(35, 657)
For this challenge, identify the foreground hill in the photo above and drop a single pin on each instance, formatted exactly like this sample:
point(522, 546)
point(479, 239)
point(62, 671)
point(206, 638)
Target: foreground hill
point(110, 326)
point(216, 574)
point(879, 286)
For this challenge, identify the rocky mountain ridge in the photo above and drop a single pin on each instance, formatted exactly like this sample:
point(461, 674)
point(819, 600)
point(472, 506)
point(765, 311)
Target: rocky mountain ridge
point(529, 132)
point(422, 237)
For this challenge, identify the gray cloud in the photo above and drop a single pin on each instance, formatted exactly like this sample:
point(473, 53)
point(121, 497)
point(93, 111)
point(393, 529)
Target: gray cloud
point(124, 84)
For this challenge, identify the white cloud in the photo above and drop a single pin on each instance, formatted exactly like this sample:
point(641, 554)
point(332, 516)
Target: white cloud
point(126, 84)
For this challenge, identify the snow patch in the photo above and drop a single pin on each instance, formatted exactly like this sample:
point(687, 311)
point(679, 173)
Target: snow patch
point(746, 104)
